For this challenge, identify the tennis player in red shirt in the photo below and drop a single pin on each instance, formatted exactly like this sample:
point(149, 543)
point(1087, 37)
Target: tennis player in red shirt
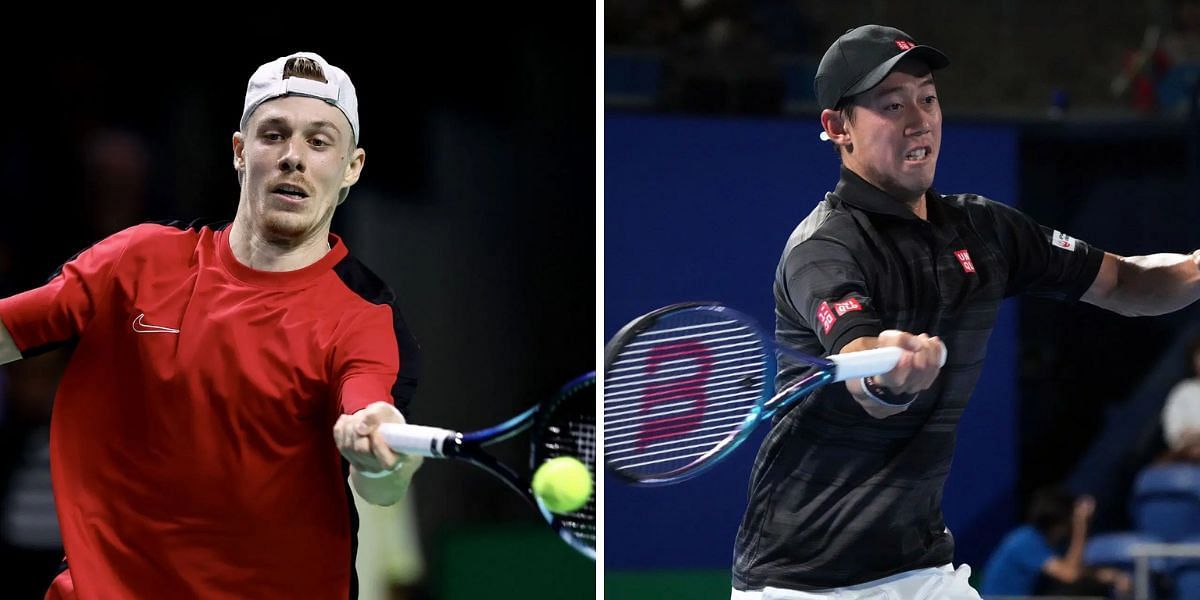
point(228, 381)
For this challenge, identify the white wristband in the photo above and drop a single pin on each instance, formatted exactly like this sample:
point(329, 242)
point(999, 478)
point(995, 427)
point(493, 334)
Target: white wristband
point(381, 474)
point(866, 387)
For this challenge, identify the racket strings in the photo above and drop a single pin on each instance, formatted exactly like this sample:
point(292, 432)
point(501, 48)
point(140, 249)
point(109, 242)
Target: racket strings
point(679, 390)
point(750, 349)
point(570, 430)
point(684, 380)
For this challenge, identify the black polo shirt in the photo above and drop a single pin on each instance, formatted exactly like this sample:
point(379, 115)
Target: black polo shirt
point(838, 497)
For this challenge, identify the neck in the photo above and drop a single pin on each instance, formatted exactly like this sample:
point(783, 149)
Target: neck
point(257, 251)
point(918, 207)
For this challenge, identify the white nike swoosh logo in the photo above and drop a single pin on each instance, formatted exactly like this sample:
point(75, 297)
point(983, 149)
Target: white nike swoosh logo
point(141, 327)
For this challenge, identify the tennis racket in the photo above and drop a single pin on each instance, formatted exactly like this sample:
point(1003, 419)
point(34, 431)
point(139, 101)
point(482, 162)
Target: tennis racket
point(687, 383)
point(565, 425)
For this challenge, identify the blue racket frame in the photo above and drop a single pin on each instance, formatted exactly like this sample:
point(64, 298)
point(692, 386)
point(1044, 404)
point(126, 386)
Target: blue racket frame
point(468, 447)
point(764, 408)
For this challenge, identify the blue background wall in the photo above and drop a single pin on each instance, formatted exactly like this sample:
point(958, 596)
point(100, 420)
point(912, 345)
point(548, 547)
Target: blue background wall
point(699, 209)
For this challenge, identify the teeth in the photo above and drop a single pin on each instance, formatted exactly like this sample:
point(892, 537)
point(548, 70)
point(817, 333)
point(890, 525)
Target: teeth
point(917, 154)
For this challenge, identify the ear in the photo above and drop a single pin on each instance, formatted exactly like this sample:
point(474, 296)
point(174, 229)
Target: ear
point(354, 169)
point(239, 156)
point(835, 126)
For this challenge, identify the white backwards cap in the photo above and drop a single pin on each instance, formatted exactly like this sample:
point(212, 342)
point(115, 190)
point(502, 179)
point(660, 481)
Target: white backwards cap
point(268, 83)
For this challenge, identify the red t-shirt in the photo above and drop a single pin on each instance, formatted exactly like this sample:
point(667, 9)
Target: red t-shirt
point(192, 448)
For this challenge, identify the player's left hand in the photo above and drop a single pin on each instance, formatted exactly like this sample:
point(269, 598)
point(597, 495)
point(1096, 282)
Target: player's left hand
point(358, 438)
point(919, 366)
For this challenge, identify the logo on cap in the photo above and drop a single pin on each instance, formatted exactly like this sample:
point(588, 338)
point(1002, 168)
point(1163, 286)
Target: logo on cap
point(905, 44)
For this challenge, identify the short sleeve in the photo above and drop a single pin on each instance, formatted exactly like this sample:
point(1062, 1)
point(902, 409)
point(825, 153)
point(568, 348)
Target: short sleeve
point(1042, 261)
point(61, 309)
point(1016, 565)
point(376, 359)
point(1032, 551)
point(826, 289)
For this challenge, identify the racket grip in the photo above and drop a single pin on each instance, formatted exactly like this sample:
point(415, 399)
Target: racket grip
point(416, 439)
point(853, 365)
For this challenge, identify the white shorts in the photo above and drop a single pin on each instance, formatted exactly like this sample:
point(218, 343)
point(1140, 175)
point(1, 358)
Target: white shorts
point(935, 583)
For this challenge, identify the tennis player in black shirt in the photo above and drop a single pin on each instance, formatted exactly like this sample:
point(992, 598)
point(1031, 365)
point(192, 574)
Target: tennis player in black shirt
point(845, 495)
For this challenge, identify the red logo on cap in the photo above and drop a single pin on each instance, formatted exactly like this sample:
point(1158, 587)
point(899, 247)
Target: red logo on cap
point(905, 44)
point(964, 259)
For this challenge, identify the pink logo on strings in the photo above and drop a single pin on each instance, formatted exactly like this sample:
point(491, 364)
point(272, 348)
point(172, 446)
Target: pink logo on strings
point(689, 390)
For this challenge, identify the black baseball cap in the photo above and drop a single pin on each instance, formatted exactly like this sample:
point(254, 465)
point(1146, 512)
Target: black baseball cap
point(863, 57)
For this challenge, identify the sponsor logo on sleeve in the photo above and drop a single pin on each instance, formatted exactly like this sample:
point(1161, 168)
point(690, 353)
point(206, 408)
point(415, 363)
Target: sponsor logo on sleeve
point(845, 306)
point(1062, 240)
point(826, 317)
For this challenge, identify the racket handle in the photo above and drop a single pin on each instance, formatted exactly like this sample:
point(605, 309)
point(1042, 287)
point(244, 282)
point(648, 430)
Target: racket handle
point(416, 439)
point(853, 365)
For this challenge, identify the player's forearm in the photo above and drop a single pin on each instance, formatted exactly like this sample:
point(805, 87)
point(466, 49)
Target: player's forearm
point(1074, 557)
point(1155, 284)
point(385, 491)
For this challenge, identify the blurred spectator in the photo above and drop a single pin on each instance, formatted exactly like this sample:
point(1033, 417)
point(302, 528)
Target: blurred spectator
point(30, 544)
point(1141, 69)
point(641, 23)
point(1181, 415)
point(1164, 73)
point(1181, 43)
point(722, 62)
point(788, 26)
point(1045, 556)
point(1180, 48)
point(389, 560)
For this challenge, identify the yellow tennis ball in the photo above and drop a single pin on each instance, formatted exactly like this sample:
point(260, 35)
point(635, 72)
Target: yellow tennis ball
point(563, 484)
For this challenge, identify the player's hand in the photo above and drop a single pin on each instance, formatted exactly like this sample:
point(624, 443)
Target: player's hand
point(918, 367)
point(358, 439)
point(1120, 581)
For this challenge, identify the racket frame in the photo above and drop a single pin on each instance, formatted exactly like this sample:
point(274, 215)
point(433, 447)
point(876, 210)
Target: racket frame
point(766, 405)
point(469, 447)
point(729, 444)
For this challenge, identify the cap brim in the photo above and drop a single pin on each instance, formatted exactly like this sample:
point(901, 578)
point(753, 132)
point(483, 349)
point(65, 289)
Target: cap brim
point(926, 54)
